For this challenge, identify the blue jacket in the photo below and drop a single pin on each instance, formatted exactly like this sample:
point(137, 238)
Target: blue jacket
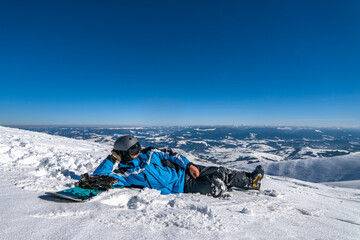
point(147, 170)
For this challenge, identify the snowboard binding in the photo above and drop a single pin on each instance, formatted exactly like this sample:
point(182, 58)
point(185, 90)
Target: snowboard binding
point(96, 182)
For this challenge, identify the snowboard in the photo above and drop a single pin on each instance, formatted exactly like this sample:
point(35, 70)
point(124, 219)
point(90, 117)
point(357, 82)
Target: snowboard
point(77, 194)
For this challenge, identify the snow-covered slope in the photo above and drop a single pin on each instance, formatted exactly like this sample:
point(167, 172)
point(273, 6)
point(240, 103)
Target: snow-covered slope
point(331, 169)
point(31, 163)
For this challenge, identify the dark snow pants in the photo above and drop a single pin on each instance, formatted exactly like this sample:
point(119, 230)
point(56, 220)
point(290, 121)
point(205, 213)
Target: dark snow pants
point(216, 180)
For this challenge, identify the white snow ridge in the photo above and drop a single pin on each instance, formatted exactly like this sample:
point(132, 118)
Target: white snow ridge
point(32, 163)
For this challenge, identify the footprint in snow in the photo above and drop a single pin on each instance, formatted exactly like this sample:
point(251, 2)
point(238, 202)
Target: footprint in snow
point(305, 185)
point(271, 193)
point(315, 213)
point(61, 214)
point(246, 211)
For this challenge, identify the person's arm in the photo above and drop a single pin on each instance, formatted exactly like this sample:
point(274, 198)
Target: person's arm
point(183, 162)
point(106, 166)
point(177, 159)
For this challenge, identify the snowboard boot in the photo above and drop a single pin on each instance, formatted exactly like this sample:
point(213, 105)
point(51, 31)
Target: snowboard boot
point(218, 187)
point(257, 176)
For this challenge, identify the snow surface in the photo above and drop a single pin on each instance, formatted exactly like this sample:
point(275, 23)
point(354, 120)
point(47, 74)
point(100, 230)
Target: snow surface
point(32, 163)
point(332, 169)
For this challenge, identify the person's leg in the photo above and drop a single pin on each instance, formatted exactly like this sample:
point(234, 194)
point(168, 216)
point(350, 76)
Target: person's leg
point(247, 180)
point(209, 182)
point(215, 180)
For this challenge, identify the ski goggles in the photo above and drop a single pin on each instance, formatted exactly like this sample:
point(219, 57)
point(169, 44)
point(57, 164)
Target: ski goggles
point(132, 151)
point(135, 149)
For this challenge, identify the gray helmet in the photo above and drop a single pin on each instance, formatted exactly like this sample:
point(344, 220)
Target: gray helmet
point(128, 144)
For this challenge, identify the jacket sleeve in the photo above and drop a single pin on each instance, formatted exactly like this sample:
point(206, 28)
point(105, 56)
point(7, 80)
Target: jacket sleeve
point(178, 159)
point(106, 167)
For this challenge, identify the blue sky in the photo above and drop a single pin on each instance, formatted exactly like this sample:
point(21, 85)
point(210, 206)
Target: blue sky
point(180, 62)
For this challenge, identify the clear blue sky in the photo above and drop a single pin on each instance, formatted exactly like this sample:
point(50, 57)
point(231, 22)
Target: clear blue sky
point(180, 62)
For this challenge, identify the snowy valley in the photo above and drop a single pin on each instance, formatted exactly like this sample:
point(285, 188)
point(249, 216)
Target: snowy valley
point(285, 208)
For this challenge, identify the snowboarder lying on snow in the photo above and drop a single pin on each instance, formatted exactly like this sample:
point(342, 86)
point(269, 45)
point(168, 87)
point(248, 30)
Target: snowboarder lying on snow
point(170, 172)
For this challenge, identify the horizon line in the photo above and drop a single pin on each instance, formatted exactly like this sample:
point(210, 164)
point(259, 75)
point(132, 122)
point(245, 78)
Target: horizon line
point(179, 125)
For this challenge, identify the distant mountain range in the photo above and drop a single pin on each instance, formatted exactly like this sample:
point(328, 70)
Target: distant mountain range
point(229, 145)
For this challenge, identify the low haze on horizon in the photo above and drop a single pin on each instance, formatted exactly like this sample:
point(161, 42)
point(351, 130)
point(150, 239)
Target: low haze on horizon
point(188, 63)
point(114, 126)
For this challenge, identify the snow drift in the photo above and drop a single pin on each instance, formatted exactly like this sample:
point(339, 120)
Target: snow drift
point(331, 169)
point(32, 163)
